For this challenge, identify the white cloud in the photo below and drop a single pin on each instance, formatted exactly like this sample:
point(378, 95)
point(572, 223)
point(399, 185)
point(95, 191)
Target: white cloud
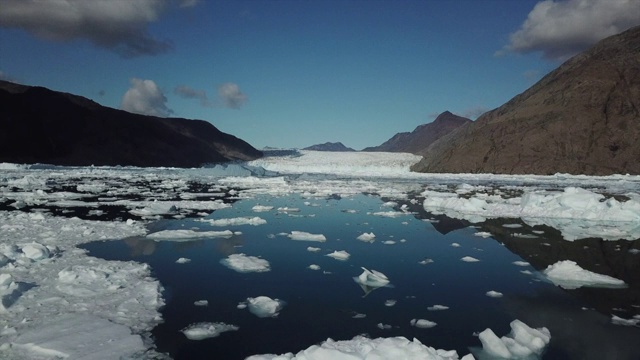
point(145, 97)
point(231, 95)
point(118, 25)
point(560, 29)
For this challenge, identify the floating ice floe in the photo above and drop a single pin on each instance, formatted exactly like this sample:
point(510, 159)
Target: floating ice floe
point(305, 236)
point(469, 259)
point(522, 343)
point(183, 260)
point(360, 348)
point(382, 326)
point(262, 208)
point(78, 336)
point(390, 303)
point(483, 234)
point(313, 249)
point(264, 306)
point(521, 263)
point(422, 323)
point(437, 308)
point(314, 267)
point(201, 303)
point(243, 263)
point(569, 275)
point(576, 212)
point(254, 221)
point(367, 237)
point(339, 255)
point(186, 235)
point(494, 294)
point(455, 245)
point(625, 322)
point(389, 214)
point(389, 242)
point(372, 278)
point(205, 330)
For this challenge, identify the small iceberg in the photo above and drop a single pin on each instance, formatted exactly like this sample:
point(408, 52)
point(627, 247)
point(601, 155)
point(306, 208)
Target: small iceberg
point(422, 323)
point(569, 275)
point(522, 343)
point(205, 330)
point(370, 280)
point(243, 263)
point(367, 237)
point(340, 255)
point(264, 306)
point(305, 236)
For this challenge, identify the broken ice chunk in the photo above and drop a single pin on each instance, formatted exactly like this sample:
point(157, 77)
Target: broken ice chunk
point(206, 330)
point(264, 306)
point(340, 255)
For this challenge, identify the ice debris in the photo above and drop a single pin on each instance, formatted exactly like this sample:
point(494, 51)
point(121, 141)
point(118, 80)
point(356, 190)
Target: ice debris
point(372, 278)
point(361, 347)
point(340, 255)
point(367, 237)
point(182, 235)
point(521, 343)
point(422, 323)
point(569, 275)
point(243, 263)
point(205, 330)
point(305, 236)
point(469, 259)
point(264, 306)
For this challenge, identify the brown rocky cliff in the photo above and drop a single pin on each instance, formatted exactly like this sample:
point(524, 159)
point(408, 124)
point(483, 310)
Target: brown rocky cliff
point(582, 118)
point(417, 141)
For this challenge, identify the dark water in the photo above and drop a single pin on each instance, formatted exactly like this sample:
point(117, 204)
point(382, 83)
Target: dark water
point(322, 305)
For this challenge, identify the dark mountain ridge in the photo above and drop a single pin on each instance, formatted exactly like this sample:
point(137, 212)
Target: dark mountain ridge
point(417, 141)
point(38, 125)
point(582, 118)
point(329, 146)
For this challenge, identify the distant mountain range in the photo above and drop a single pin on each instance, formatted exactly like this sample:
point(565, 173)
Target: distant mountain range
point(38, 125)
point(423, 136)
point(582, 118)
point(329, 146)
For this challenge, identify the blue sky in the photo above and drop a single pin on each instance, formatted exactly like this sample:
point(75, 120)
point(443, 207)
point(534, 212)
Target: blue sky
point(298, 73)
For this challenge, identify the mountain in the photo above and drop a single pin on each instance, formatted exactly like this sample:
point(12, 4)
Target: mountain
point(329, 146)
point(38, 125)
point(582, 118)
point(418, 140)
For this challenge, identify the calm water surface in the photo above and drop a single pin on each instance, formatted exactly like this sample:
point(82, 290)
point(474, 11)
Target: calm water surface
point(321, 304)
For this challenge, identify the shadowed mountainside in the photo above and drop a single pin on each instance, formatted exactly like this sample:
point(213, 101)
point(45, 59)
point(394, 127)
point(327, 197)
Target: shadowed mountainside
point(329, 146)
point(582, 118)
point(417, 141)
point(38, 125)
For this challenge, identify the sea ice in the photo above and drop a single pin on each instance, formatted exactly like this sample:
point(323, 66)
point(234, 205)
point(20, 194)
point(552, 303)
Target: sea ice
point(521, 343)
point(262, 208)
point(521, 263)
point(205, 330)
point(360, 348)
point(254, 221)
point(494, 294)
point(313, 249)
point(201, 303)
point(314, 267)
point(422, 323)
point(78, 336)
point(372, 278)
point(339, 255)
point(437, 308)
point(187, 235)
point(243, 263)
point(625, 322)
point(367, 237)
point(183, 260)
point(264, 306)
point(469, 259)
point(483, 234)
point(569, 275)
point(305, 236)
point(390, 303)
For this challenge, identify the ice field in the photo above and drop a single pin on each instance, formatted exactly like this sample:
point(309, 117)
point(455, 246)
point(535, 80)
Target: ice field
point(316, 255)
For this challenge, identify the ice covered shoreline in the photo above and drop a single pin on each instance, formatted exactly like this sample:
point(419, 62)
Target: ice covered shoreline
point(45, 279)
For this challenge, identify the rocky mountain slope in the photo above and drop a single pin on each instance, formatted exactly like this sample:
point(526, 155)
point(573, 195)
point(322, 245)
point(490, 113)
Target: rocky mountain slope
point(329, 146)
point(38, 125)
point(417, 141)
point(582, 118)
